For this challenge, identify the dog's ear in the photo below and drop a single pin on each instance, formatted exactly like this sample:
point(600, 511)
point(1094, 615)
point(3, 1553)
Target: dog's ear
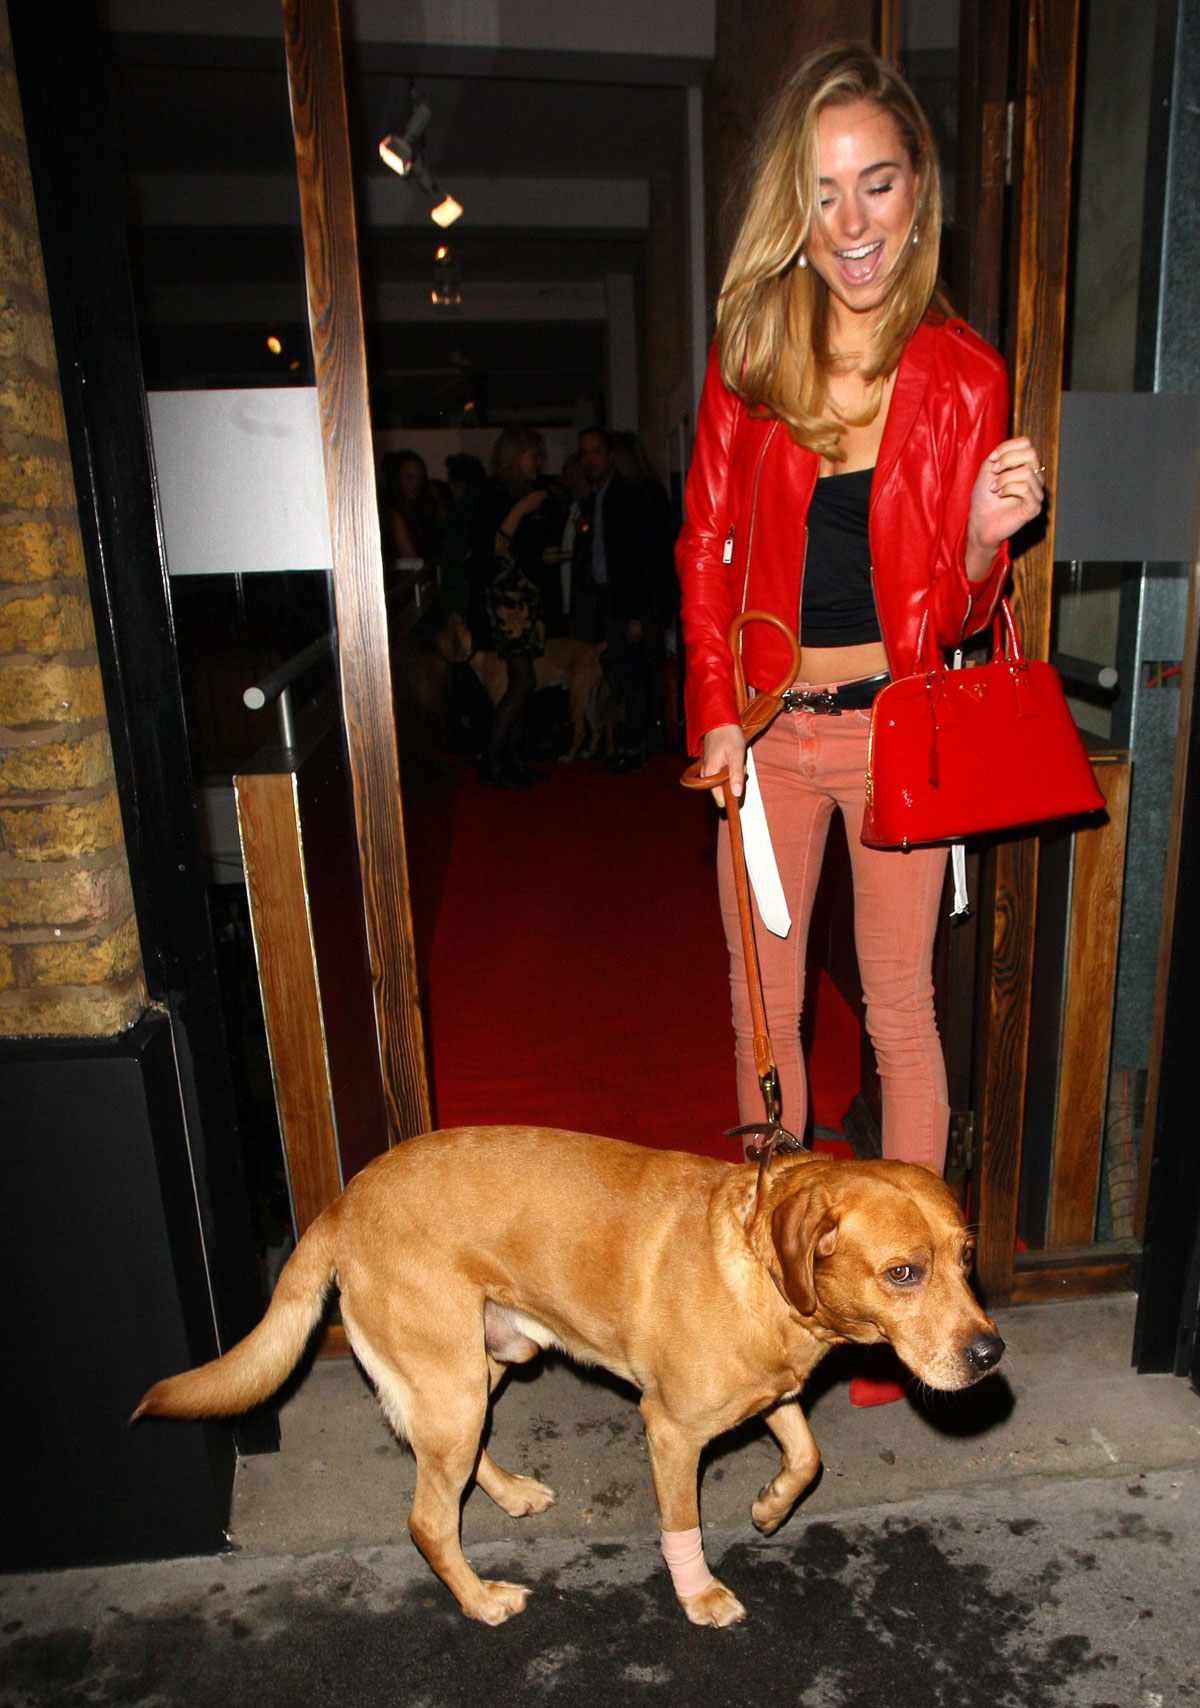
point(804, 1228)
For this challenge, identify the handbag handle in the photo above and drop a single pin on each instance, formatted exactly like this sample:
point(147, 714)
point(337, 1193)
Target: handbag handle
point(1006, 642)
point(1004, 627)
point(753, 714)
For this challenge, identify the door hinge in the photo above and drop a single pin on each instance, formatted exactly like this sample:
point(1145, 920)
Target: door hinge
point(960, 1152)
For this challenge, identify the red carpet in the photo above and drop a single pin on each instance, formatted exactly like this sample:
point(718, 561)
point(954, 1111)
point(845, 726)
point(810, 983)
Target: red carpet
point(578, 975)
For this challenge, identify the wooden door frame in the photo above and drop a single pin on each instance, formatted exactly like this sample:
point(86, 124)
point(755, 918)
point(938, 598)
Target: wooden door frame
point(316, 85)
point(1042, 145)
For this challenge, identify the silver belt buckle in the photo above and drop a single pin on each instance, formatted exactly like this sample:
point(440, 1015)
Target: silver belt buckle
point(812, 700)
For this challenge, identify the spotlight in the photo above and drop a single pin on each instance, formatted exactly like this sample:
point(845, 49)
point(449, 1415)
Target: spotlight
point(404, 152)
point(446, 211)
point(400, 151)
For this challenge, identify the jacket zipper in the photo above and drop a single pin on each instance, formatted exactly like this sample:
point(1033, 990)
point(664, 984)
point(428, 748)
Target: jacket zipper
point(875, 602)
point(753, 507)
point(800, 590)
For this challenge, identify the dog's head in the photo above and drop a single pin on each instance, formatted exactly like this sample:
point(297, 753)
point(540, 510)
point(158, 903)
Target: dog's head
point(870, 1251)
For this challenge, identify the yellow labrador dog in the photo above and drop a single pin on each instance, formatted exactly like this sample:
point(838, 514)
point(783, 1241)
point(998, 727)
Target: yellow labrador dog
point(715, 1294)
point(563, 663)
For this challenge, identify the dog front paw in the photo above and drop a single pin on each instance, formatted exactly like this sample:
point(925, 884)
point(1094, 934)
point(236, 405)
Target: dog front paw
point(715, 1605)
point(772, 1507)
point(496, 1601)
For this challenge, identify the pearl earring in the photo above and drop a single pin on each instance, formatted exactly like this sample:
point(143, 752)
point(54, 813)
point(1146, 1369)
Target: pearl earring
point(803, 261)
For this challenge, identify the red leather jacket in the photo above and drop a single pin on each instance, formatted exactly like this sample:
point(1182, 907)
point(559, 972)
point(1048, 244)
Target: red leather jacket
point(748, 490)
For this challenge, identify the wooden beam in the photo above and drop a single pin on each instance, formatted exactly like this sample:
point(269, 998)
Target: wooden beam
point(317, 88)
point(974, 241)
point(1097, 874)
point(1079, 1272)
point(277, 886)
point(1042, 134)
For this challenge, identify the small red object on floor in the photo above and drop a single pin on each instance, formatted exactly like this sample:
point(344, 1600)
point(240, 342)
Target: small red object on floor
point(865, 1391)
point(881, 1379)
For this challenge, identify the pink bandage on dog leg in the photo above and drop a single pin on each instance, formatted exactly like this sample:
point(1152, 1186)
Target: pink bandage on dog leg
point(683, 1550)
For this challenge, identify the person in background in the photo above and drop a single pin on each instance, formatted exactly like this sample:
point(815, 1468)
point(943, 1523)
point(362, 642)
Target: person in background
point(408, 513)
point(518, 523)
point(612, 588)
point(466, 479)
point(852, 475)
point(632, 460)
point(576, 489)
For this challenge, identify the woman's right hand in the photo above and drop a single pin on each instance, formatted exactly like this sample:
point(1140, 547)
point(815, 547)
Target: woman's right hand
point(725, 750)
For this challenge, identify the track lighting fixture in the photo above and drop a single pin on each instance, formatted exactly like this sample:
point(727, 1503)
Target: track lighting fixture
point(400, 151)
point(404, 152)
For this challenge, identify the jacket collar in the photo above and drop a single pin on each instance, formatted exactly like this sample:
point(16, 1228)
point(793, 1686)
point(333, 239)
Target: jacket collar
point(912, 379)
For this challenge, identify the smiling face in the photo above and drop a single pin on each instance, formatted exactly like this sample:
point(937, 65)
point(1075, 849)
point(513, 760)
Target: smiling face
point(867, 197)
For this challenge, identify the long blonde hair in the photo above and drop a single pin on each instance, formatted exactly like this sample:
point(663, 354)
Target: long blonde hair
point(772, 314)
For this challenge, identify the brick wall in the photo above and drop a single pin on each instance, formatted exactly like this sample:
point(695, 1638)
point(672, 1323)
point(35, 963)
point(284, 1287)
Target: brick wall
point(69, 956)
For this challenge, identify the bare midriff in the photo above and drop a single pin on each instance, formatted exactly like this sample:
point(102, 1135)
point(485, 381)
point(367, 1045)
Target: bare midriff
point(821, 664)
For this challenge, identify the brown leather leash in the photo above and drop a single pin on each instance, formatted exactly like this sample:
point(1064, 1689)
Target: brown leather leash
point(754, 715)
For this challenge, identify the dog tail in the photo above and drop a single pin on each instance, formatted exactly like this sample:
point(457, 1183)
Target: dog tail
point(255, 1368)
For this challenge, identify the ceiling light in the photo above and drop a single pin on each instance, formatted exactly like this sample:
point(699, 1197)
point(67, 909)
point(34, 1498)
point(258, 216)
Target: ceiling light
point(404, 152)
point(396, 153)
point(274, 345)
point(399, 151)
point(446, 211)
point(447, 281)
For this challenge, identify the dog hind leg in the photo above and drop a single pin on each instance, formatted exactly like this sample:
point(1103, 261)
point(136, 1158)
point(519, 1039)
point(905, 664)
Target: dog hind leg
point(445, 1430)
point(440, 1409)
point(508, 1344)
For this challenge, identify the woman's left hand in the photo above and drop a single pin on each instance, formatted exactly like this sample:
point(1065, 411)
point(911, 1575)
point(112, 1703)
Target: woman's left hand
point(1009, 491)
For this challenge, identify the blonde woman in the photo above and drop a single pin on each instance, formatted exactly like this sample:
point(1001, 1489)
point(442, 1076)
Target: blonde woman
point(851, 474)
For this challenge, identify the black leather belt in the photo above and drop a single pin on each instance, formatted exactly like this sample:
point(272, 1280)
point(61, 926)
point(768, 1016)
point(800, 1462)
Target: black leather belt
point(849, 697)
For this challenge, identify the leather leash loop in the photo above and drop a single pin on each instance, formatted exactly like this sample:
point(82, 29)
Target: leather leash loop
point(754, 716)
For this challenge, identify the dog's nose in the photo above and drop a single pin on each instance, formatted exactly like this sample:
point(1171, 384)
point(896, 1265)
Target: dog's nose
point(985, 1352)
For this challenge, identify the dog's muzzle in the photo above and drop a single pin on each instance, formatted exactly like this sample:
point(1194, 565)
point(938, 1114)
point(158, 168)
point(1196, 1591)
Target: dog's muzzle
point(985, 1352)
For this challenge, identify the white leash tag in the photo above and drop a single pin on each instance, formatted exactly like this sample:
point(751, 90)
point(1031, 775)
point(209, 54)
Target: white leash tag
point(961, 905)
point(958, 867)
point(760, 856)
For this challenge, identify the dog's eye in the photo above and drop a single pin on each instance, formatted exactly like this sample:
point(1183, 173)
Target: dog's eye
point(968, 1255)
point(903, 1274)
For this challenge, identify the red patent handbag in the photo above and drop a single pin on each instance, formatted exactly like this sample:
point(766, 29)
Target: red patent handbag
point(958, 753)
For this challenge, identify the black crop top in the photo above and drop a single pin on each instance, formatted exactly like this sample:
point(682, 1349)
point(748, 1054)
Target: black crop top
point(837, 605)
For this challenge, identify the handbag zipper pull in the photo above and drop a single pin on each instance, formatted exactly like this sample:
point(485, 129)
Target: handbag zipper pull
point(727, 554)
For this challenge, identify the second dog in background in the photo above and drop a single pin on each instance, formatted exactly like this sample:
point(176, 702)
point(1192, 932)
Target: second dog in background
point(576, 665)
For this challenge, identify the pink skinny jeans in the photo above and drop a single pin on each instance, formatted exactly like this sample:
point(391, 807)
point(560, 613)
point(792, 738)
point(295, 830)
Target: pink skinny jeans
point(809, 763)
